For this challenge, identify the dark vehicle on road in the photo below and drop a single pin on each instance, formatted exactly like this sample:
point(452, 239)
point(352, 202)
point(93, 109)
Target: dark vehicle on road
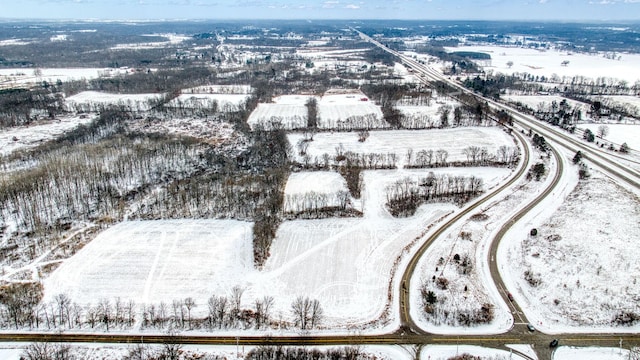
point(530, 327)
point(553, 343)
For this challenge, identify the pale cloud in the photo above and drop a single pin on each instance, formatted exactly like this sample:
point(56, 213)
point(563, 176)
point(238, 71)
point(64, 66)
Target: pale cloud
point(330, 4)
point(352, 7)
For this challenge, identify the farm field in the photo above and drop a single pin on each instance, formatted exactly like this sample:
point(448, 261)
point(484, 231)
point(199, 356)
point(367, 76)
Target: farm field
point(575, 273)
point(52, 75)
point(224, 102)
point(547, 63)
point(92, 100)
point(152, 261)
point(287, 116)
point(347, 111)
point(306, 190)
point(22, 137)
point(454, 141)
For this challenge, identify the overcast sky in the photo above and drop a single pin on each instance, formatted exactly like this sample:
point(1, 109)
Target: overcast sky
point(607, 10)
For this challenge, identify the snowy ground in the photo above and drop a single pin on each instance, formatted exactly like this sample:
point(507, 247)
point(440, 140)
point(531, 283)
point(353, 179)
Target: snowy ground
point(425, 114)
point(21, 137)
point(14, 76)
point(474, 247)
point(445, 352)
point(218, 133)
point(288, 111)
point(92, 100)
point(340, 111)
point(225, 102)
point(287, 116)
point(13, 351)
point(534, 101)
point(172, 39)
point(153, 261)
point(618, 134)
point(166, 260)
point(590, 353)
point(580, 257)
point(454, 141)
point(304, 189)
point(547, 63)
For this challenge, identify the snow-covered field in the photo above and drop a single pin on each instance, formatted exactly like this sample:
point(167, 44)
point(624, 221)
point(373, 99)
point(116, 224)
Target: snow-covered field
point(547, 63)
point(354, 290)
point(15, 138)
point(421, 114)
point(274, 115)
point(454, 141)
point(92, 100)
point(15, 76)
point(307, 190)
point(619, 133)
point(288, 111)
point(224, 102)
point(167, 260)
point(172, 39)
point(445, 352)
point(590, 353)
point(581, 274)
point(351, 110)
point(153, 261)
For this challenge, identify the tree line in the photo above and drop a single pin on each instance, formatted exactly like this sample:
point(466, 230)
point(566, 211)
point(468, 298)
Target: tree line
point(21, 307)
point(405, 195)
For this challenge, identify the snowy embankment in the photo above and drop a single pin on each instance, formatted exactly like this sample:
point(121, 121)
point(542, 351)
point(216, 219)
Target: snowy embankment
point(576, 274)
point(460, 256)
point(618, 134)
point(446, 352)
point(535, 102)
point(591, 353)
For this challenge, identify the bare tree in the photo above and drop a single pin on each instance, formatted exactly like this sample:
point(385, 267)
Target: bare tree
point(47, 351)
point(172, 347)
point(307, 313)
point(441, 157)
point(603, 130)
point(189, 303)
